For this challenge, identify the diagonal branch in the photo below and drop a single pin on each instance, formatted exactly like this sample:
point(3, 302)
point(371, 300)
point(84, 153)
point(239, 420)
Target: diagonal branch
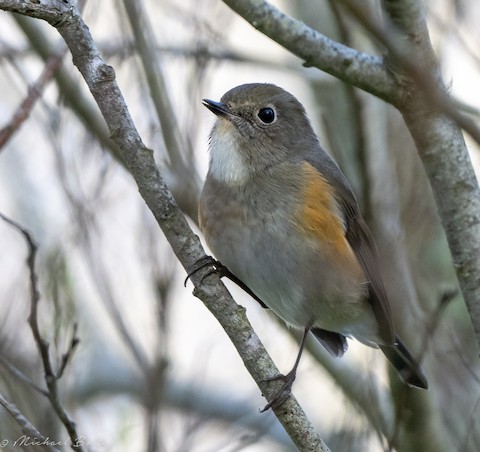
point(68, 85)
point(365, 71)
point(34, 93)
point(17, 373)
point(32, 434)
point(100, 78)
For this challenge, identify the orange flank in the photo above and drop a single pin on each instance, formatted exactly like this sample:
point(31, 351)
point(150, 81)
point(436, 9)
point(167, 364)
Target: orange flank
point(320, 217)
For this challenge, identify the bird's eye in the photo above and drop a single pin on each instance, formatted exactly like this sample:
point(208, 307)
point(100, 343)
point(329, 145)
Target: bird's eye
point(266, 115)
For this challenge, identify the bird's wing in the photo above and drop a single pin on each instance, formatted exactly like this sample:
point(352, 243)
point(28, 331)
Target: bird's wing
point(360, 240)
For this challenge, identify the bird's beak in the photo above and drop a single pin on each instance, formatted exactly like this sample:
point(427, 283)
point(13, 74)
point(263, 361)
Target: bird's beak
point(218, 108)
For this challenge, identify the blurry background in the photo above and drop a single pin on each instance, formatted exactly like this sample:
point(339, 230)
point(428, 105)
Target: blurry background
point(153, 370)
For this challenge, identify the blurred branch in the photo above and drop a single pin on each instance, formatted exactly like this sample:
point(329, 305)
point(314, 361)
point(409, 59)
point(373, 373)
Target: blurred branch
point(100, 79)
point(471, 427)
point(33, 436)
point(85, 223)
point(413, 57)
point(17, 373)
point(178, 149)
point(189, 396)
point(467, 364)
point(9, 52)
point(126, 48)
point(67, 356)
point(35, 92)
point(144, 41)
point(199, 52)
point(99, 276)
point(67, 85)
point(51, 377)
point(364, 391)
point(459, 32)
point(446, 297)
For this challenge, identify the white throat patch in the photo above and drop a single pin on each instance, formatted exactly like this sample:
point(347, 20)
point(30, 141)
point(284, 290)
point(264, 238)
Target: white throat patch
point(226, 162)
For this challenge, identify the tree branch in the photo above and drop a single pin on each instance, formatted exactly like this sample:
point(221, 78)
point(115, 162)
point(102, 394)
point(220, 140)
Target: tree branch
point(52, 11)
point(100, 78)
point(412, 55)
point(360, 69)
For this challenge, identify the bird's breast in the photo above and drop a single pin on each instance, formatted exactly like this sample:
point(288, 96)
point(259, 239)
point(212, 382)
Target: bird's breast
point(286, 242)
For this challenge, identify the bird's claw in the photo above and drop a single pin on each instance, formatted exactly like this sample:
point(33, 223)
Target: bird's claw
point(283, 393)
point(205, 261)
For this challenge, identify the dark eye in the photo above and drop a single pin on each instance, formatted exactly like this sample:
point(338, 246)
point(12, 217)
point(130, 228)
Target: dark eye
point(266, 115)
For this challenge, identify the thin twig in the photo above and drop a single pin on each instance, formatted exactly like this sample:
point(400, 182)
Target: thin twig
point(67, 356)
point(466, 361)
point(32, 435)
point(434, 321)
point(42, 344)
point(17, 373)
point(34, 93)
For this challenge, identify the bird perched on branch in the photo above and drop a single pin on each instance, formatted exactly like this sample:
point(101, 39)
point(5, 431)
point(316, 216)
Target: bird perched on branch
point(278, 213)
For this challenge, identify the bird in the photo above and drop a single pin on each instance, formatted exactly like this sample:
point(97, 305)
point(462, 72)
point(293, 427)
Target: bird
point(281, 220)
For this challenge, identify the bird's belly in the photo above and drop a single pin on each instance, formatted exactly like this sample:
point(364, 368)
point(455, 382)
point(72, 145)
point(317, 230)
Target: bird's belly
point(292, 275)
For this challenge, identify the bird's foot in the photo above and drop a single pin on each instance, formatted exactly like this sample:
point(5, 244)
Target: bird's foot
point(206, 261)
point(284, 392)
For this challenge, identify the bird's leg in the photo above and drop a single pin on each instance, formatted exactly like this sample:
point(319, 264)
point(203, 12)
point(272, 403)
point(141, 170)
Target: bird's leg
point(284, 392)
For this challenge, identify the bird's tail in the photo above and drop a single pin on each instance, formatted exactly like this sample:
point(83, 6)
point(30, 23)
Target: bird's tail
point(409, 370)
